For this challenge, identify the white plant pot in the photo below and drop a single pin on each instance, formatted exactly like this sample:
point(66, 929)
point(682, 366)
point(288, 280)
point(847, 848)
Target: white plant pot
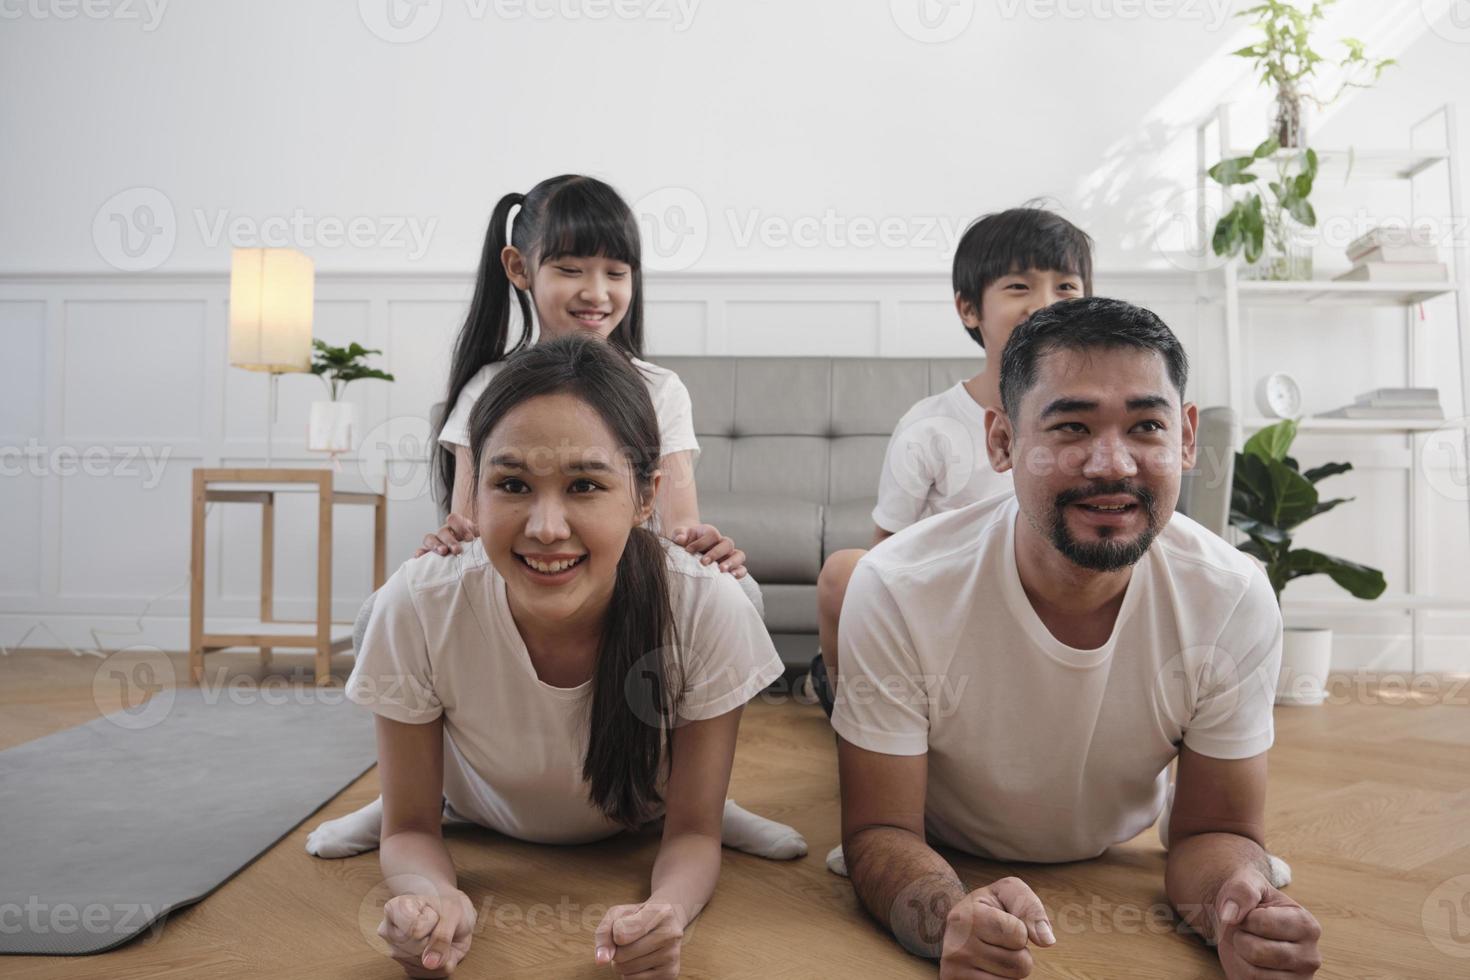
point(330, 429)
point(1306, 657)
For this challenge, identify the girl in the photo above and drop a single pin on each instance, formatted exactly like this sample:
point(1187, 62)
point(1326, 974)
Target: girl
point(574, 250)
point(568, 674)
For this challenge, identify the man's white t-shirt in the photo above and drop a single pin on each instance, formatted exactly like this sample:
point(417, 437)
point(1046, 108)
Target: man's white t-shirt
point(936, 461)
point(1038, 751)
point(670, 403)
point(441, 641)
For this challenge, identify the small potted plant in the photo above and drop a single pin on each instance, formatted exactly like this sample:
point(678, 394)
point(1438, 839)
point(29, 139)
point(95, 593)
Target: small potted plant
point(330, 429)
point(1286, 63)
point(1270, 498)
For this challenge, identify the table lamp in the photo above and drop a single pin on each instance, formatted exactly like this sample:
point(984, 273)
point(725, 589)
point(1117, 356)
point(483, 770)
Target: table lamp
point(270, 317)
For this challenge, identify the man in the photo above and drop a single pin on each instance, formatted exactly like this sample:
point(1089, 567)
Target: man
point(1016, 675)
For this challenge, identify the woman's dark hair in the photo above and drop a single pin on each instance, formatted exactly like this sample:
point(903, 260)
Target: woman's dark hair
point(1085, 324)
point(1018, 240)
point(634, 689)
point(570, 215)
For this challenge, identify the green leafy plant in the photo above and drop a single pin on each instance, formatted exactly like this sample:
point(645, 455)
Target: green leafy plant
point(1271, 497)
point(339, 366)
point(1286, 62)
point(1245, 226)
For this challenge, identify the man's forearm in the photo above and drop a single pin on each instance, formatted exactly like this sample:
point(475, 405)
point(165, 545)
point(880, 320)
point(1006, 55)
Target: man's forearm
point(904, 884)
point(1196, 868)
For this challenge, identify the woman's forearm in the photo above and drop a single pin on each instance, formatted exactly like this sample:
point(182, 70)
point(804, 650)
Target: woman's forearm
point(685, 872)
point(413, 861)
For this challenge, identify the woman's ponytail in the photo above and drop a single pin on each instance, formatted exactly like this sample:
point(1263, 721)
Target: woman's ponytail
point(634, 690)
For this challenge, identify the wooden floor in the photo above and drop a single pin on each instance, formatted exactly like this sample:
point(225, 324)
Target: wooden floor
point(1369, 802)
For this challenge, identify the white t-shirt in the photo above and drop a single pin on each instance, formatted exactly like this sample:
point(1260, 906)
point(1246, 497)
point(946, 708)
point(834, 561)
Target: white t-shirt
point(1038, 751)
point(441, 641)
point(936, 461)
point(670, 403)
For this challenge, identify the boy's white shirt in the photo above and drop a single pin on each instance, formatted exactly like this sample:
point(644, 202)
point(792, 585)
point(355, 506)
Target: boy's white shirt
point(441, 641)
point(1038, 751)
point(670, 403)
point(936, 461)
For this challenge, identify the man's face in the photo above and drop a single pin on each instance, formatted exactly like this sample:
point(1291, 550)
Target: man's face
point(1098, 450)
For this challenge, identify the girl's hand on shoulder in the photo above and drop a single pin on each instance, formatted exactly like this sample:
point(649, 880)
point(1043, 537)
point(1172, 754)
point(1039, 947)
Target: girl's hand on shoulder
point(428, 935)
point(641, 940)
point(446, 540)
point(706, 541)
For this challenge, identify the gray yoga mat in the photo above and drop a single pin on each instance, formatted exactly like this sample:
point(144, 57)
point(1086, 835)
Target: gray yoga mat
point(106, 827)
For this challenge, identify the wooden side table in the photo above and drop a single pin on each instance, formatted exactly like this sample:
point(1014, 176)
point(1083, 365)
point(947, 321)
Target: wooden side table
point(260, 486)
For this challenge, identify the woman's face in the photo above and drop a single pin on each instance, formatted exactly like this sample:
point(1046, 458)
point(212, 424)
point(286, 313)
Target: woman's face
point(555, 503)
point(574, 294)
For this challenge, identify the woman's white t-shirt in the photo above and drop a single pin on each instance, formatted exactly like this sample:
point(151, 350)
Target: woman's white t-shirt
point(1038, 751)
point(441, 641)
point(936, 461)
point(670, 403)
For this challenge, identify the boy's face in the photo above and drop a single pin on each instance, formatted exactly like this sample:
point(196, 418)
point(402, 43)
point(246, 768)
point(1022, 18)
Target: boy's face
point(1013, 297)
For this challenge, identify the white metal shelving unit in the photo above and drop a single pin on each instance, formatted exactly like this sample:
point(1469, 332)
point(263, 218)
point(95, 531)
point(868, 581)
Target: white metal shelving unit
point(1414, 164)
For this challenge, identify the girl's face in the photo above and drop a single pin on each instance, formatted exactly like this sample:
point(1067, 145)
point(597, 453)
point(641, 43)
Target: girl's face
point(573, 293)
point(555, 503)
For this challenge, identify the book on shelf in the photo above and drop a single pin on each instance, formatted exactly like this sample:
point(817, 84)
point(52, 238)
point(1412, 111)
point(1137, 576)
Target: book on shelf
point(1396, 272)
point(1396, 253)
point(1399, 398)
point(1429, 412)
point(1390, 236)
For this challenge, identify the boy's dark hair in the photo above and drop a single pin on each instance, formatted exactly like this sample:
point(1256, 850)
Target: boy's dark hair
point(1085, 324)
point(635, 690)
point(1028, 237)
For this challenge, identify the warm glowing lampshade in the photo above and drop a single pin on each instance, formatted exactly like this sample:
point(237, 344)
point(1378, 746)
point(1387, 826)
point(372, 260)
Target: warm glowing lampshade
point(270, 309)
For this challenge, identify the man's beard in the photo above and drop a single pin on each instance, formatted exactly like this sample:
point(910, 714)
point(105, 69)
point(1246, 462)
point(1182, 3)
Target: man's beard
point(1105, 555)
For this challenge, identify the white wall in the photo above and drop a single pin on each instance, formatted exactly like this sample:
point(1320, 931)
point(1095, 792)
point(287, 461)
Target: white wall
point(210, 124)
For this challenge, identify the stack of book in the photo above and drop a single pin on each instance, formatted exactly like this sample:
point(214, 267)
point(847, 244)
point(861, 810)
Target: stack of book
point(1392, 403)
point(1395, 255)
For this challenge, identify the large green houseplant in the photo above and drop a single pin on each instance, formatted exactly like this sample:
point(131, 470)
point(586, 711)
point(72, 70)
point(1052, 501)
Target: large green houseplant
point(1270, 498)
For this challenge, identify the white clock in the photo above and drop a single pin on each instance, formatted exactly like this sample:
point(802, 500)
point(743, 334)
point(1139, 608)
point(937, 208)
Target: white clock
point(1279, 396)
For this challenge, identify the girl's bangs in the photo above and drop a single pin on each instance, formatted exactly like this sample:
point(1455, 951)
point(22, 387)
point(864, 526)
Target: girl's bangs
point(580, 222)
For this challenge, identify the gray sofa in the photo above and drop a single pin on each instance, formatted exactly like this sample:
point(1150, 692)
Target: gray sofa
point(791, 450)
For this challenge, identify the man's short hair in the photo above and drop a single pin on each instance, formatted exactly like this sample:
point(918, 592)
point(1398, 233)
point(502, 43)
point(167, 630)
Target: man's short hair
point(1087, 323)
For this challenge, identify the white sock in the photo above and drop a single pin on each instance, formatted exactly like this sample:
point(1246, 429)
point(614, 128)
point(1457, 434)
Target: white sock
point(355, 833)
point(837, 861)
point(753, 834)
